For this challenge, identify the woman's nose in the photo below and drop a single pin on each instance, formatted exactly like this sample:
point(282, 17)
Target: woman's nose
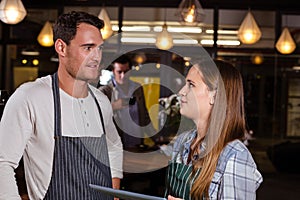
point(182, 92)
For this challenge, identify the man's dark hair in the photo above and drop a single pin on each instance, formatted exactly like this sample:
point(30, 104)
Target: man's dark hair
point(66, 25)
point(123, 59)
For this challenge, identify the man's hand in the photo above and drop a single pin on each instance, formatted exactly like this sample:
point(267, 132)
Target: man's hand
point(117, 105)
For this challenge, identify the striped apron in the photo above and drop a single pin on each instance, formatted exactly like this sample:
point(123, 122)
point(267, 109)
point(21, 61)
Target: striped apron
point(78, 161)
point(179, 180)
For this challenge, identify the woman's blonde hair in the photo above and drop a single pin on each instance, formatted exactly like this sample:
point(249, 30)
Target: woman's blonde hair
point(226, 123)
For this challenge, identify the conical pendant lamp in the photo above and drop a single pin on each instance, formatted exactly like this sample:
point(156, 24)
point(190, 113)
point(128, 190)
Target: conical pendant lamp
point(106, 31)
point(285, 43)
point(12, 11)
point(190, 12)
point(249, 32)
point(164, 39)
point(45, 38)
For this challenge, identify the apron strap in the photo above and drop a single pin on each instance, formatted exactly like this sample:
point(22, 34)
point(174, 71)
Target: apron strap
point(99, 109)
point(57, 110)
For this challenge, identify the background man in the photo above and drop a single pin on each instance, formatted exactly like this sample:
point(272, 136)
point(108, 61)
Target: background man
point(128, 102)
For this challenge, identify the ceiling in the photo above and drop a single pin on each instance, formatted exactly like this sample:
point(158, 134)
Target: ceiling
point(231, 13)
point(282, 5)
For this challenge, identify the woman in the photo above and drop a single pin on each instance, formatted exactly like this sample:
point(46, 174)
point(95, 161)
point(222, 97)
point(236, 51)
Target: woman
point(210, 161)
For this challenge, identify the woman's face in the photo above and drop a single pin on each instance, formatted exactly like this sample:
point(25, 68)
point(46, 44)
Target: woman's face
point(195, 97)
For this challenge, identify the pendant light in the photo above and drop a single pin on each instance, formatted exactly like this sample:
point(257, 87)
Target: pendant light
point(190, 12)
point(285, 43)
point(45, 38)
point(106, 31)
point(257, 58)
point(164, 39)
point(249, 32)
point(12, 11)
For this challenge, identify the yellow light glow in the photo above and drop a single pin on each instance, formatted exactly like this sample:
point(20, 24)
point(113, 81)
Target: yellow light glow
point(249, 33)
point(190, 12)
point(45, 37)
point(35, 62)
point(285, 43)
point(106, 31)
point(164, 39)
point(12, 11)
point(257, 59)
point(24, 61)
point(137, 68)
point(190, 16)
point(187, 63)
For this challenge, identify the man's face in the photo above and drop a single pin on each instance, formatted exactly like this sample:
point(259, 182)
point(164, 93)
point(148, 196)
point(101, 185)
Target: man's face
point(83, 56)
point(119, 71)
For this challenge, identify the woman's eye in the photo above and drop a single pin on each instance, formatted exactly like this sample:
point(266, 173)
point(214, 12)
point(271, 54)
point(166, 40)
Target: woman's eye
point(190, 85)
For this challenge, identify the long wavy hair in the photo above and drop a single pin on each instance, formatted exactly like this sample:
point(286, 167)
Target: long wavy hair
point(226, 122)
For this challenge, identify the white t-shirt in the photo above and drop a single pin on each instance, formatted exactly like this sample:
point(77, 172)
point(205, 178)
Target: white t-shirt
point(27, 129)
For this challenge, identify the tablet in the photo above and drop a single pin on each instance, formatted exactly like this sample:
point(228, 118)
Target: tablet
point(125, 194)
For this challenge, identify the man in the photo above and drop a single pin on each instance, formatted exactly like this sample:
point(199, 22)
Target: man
point(128, 102)
point(61, 126)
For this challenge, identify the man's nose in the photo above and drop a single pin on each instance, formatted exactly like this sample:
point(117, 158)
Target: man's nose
point(96, 54)
point(122, 74)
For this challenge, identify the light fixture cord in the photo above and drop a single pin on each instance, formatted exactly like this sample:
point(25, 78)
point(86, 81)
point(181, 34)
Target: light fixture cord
point(286, 21)
point(165, 17)
point(190, 4)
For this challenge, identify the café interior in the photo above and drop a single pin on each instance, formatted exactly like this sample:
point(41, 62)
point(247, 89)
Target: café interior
point(269, 61)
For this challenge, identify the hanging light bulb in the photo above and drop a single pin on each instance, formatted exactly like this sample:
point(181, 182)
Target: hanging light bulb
point(45, 38)
point(249, 32)
point(106, 31)
point(257, 58)
point(190, 12)
point(12, 11)
point(140, 58)
point(285, 43)
point(164, 39)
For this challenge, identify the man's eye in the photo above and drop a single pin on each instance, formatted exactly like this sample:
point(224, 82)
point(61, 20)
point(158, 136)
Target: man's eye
point(100, 48)
point(88, 48)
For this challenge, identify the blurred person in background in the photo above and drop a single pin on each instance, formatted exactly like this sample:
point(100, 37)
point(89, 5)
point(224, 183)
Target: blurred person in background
point(128, 102)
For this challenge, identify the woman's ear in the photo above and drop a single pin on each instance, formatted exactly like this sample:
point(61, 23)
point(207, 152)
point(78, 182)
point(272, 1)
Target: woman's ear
point(60, 47)
point(212, 96)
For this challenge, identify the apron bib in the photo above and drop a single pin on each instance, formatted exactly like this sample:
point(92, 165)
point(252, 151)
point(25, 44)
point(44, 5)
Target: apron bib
point(78, 161)
point(179, 180)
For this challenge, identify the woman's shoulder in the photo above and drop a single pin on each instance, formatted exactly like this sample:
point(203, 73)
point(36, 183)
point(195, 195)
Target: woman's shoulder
point(234, 148)
point(237, 151)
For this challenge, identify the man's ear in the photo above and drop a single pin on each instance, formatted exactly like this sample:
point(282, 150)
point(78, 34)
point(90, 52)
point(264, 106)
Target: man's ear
point(60, 47)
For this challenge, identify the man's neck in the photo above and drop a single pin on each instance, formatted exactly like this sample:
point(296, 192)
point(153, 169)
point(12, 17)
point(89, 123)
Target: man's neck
point(73, 87)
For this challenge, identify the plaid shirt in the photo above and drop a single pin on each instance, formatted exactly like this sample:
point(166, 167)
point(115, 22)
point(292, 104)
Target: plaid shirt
point(236, 175)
